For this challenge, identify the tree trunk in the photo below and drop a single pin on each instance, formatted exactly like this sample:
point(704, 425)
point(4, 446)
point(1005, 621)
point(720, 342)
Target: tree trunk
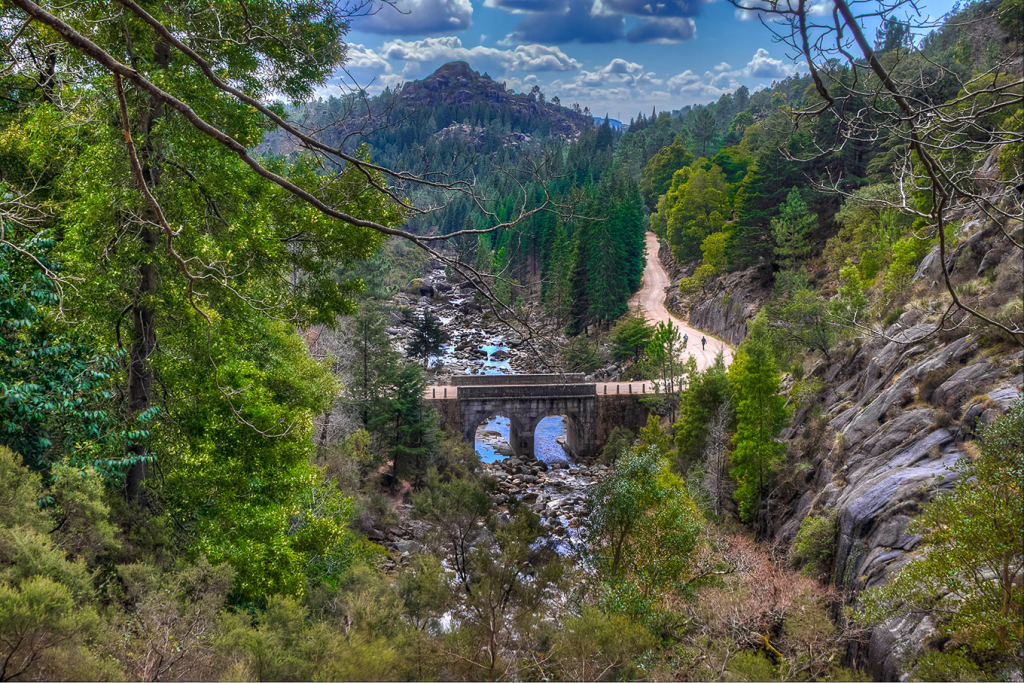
point(140, 376)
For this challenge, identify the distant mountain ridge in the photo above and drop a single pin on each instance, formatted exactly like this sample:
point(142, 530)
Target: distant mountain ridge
point(453, 105)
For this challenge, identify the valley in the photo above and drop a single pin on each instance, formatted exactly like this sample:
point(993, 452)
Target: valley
point(349, 341)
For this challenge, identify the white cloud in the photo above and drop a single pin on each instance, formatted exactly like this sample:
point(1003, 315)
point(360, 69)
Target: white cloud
point(417, 17)
point(360, 57)
point(531, 58)
point(762, 65)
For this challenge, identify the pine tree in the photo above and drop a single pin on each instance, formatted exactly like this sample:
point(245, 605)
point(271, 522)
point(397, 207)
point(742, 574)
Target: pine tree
point(791, 230)
point(758, 200)
point(657, 175)
point(375, 363)
point(761, 413)
point(428, 337)
point(704, 129)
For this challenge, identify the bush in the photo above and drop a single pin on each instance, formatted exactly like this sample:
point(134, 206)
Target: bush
point(701, 276)
point(815, 544)
point(581, 355)
point(906, 254)
point(751, 666)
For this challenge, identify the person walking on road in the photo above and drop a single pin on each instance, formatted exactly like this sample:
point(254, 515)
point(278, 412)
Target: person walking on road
point(686, 338)
point(703, 342)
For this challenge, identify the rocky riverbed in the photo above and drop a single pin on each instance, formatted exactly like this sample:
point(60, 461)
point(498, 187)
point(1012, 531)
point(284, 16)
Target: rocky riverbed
point(555, 492)
point(478, 343)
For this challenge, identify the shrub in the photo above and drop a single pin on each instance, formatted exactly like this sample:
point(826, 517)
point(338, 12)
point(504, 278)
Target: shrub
point(701, 276)
point(906, 254)
point(815, 544)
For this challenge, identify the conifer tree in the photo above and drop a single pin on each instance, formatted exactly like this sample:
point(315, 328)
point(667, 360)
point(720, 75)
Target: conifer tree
point(791, 230)
point(761, 414)
point(758, 200)
point(428, 337)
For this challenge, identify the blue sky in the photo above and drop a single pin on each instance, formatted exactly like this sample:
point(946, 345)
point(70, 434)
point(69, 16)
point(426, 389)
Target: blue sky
point(616, 56)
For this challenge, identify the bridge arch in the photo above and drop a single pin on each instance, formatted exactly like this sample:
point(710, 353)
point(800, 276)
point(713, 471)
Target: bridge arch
point(527, 399)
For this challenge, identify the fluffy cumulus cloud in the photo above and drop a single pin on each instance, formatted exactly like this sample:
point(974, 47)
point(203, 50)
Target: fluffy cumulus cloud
point(748, 10)
point(762, 65)
point(436, 51)
point(618, 73)
point(417, 17)
point(362, 57)
point(722, 78)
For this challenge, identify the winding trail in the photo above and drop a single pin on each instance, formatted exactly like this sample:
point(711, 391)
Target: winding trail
point(650, 300)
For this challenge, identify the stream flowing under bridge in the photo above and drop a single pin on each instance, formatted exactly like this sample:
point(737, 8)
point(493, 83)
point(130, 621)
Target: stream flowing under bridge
point(592, 410)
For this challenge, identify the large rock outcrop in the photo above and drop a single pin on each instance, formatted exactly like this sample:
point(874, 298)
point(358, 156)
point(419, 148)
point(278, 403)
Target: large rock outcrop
point(890, 418)
point(724, 306)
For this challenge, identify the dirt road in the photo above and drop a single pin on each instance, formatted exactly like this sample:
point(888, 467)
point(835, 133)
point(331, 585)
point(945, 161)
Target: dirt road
point(651, 300)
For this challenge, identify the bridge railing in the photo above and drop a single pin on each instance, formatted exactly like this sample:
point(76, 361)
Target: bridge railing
point(505, 380)
point(528, 391)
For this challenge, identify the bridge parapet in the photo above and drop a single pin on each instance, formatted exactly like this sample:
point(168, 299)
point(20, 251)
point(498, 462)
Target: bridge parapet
point(507, 380)
point(521, 391)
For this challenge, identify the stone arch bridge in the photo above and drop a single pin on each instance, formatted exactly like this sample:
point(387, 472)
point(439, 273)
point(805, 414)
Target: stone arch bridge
point(592, 410)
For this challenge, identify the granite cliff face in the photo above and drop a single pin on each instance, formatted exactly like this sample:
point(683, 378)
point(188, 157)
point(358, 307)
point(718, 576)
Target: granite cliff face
point(889, 419)
point(885, 418)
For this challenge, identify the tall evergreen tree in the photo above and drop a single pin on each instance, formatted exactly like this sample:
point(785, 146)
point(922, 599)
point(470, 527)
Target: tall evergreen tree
point(791, 230)
point(761, 413)
point(758, 199)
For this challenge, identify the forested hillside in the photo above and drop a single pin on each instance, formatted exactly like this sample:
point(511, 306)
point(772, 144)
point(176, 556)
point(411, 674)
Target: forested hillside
point(217, 329)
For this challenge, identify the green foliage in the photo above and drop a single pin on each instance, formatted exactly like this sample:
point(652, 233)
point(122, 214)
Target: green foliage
point(506, 588)
point(56, 388)
point(596, 646)
point(662, 355)
point(619, 442)
point(1010, 156)
point(705, 392)
point(287, 645)
point(45, 633)
point(402, 422)
point(704, 130)
point(702, 275)
point(966, 579)
point(791, 230)
point(759, 197)
point(641, 528)
point(696, 205)
point(428, 337)
point(906, 254)
point(851, 299)
point(713, 250)
point(761, 413)
point(815, 544)
point(582, 354)
point(630, 337)
point(799, 314)
point(657, 176)
point(608, 260)
point(454, 508)
point(752, 666)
